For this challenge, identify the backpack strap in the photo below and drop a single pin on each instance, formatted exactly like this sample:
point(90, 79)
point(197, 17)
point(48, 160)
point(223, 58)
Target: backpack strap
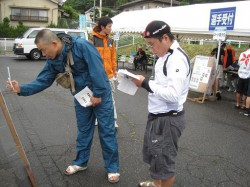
point(70, 61)
point(65, 37)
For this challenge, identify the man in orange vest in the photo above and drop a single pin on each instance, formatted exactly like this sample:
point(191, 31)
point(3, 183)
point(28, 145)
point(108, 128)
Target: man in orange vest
point(107, 50)
point(229, 57)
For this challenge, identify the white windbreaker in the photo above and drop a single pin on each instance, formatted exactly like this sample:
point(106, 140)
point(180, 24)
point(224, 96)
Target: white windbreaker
point(170, 91)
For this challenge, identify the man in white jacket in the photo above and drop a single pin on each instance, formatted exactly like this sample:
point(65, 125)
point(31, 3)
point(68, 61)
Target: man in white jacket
point(167, 94)
point(244, 73)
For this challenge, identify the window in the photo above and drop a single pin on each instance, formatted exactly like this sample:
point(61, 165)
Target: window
point(57, 32)
point(16, 12)
point(77, 34)
point(33, 34)
point(26, 14)
point(34, 13)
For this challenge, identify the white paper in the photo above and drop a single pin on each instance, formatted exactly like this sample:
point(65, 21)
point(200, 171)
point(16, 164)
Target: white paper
point(126, 84)
point(205, 74)
point(194, 81)
point(123, 72)
point(229, 68)
point(83, 97)
point(201, 73)
point(201, 60)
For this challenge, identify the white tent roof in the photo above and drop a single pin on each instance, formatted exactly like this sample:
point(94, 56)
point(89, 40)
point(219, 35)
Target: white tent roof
point(192, 19)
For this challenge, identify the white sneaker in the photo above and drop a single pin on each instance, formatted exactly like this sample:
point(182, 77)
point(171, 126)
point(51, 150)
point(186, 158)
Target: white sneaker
point(96, 122)
point(116, 125)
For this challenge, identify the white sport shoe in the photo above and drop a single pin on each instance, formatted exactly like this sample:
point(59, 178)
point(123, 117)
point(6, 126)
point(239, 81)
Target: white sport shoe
point(116, 125)
point(96, 122)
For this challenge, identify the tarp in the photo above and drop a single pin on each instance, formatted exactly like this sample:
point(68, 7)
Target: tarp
point(189, 19)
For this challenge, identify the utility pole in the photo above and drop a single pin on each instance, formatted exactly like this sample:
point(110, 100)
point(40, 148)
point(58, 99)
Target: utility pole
point(94, 12)
point(171, 3)
point(100, 8)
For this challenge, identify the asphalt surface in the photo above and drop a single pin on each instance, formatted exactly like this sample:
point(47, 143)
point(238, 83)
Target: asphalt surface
point(213, 151)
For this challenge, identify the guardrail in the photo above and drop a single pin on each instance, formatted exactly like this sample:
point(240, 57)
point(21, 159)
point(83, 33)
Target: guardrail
point(6, 45)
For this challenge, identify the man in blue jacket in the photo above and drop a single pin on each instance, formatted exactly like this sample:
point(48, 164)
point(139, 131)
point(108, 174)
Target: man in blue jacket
point(87, 71)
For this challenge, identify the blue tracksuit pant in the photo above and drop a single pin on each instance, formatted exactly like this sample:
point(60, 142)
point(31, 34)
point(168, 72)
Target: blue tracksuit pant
point(107, 133)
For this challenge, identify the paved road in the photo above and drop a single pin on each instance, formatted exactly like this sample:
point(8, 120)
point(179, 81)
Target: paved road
point(213, 151)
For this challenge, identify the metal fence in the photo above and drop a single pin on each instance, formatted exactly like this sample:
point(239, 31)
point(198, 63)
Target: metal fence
point(6, 45)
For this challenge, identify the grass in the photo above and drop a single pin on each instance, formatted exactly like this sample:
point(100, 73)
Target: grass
point(191, 49)
point(194, 49)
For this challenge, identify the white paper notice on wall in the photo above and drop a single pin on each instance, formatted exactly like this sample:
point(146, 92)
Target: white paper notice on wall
point(83, 97)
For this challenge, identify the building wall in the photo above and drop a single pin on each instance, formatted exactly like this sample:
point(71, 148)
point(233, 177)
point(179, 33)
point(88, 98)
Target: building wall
point(45, 5)
point(142, 6)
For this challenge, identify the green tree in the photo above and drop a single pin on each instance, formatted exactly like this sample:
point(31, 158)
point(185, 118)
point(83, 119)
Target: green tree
point(107, 12)
point(20, 29)
point(120, 2)
point(8, 31)
point(184, 2)
point(6, 21)
point(73, 14)
point(80, 5)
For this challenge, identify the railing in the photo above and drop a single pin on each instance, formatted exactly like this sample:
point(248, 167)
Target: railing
point(6, 45)
point(28, 18)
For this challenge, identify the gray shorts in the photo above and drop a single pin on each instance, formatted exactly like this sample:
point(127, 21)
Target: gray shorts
point(160, 144)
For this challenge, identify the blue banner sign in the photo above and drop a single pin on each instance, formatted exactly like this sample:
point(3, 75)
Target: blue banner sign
point(222, 17)
point(82, 22)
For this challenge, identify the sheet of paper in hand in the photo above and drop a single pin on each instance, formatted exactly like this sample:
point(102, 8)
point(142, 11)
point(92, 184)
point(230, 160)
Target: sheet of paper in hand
point(124, 72)
point(126, 84)
point(83, 97)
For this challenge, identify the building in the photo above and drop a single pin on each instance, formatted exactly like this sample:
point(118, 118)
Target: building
point(147, 4)
point(32, 13)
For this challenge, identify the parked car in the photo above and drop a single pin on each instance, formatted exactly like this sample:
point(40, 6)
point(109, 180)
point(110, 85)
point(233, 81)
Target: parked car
point(25, 45)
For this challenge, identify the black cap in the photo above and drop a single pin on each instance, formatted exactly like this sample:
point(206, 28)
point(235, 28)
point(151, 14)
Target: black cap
point(156, 29)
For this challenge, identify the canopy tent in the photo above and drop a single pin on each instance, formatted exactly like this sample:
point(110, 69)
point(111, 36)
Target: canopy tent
point(189, 19)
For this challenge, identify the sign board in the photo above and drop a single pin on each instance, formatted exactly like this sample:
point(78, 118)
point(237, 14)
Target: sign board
point(82, 22)
point(203, 69)
point(222, 17)
point(117, 36)
point(220, 33)
point(123, 58)
point(131, 59)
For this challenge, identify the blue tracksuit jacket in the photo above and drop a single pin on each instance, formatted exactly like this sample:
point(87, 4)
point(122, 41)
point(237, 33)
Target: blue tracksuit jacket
point(88, 71)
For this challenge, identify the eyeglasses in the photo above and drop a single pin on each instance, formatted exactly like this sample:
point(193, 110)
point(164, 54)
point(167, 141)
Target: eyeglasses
point(151, 45)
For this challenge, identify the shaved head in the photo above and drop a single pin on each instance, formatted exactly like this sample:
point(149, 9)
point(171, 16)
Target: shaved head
point(48, 43)
point(46, 36)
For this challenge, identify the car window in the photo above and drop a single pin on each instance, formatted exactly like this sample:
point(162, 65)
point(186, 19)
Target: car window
point(57, 32)
point(77, 34)
point(33, 34)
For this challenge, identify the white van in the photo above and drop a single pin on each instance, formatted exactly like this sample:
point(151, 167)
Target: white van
point(25, 45)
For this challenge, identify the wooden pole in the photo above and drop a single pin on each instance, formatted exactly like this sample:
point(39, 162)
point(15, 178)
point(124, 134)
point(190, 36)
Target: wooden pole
point(16, 139)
